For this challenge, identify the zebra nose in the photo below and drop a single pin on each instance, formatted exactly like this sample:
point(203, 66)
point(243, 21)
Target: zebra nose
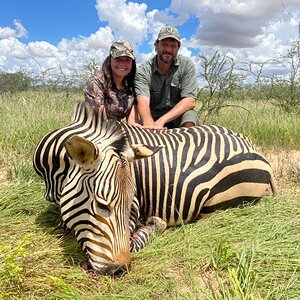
point(115, 270)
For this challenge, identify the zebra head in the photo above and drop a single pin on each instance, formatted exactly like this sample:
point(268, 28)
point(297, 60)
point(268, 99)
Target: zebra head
point(96, 198)
point(50, 160)
point(86, 170)
point(51, 164)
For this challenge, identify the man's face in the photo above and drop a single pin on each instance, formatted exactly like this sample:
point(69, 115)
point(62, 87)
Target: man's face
point(167, 49)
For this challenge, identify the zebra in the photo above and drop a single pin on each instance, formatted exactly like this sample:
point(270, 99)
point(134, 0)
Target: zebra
point(177, 176)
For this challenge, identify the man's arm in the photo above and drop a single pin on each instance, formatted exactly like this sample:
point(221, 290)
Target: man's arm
point(180, 108)
point(145, 113)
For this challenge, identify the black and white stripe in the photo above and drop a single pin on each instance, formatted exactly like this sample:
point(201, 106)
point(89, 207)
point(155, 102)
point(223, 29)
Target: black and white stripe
point(197, 171)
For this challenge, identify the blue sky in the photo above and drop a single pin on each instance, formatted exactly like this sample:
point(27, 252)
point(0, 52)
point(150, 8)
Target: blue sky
point(66, 34)
point(51, 20)
point(54, 20)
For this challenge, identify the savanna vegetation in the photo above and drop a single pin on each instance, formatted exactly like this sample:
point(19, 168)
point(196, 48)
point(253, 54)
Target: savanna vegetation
point(249, 253)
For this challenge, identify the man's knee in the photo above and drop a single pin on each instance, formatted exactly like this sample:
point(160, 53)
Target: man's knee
point(188, 124)
point(189, 119)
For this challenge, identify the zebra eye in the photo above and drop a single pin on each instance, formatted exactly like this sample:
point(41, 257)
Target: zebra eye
point(99, 208)
point(103, 206)
point(103, 209)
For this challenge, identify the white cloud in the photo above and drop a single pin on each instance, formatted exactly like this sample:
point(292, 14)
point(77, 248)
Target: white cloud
point(125, 19)
point(18, 32)
point(252, 30)
point(7, 32)
point(233, 23)
point(166, 17)
point(103, 38)
point(41, 49)
point(21, 31)
point(11, 47)
point(154, 26)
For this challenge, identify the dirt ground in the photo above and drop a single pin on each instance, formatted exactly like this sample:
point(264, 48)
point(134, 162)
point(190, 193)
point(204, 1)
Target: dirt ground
point(3, 176)
point(286, 168)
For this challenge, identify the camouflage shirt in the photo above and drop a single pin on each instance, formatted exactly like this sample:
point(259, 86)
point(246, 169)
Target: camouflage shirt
point(117, 102)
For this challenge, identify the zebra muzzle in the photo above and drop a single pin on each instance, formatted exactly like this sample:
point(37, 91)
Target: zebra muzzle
point(114, 270)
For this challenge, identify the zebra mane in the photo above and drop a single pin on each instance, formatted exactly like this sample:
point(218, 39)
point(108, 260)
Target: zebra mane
point(97, 127)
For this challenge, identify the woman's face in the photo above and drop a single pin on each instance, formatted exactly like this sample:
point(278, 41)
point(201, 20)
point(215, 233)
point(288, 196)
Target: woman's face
point(121, 66)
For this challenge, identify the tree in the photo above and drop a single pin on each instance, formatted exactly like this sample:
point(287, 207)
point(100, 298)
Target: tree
point(221, 80)
point(14, 82)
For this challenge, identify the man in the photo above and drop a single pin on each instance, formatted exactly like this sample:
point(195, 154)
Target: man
point(166, 85)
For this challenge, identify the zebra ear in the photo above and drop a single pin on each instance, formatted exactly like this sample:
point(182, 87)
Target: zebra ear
point(82, 151)
point(140, 151)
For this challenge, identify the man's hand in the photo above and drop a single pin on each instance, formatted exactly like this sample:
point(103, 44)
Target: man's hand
point(160, 123)
point(154, 125)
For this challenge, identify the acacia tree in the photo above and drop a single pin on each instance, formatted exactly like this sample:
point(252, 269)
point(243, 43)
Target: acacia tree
point(221, 80)
point(286, 89)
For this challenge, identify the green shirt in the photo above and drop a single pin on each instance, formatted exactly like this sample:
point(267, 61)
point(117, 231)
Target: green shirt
point(165, 91)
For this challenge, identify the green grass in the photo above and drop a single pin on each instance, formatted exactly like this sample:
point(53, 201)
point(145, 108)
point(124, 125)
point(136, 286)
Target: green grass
point(249, 253)
point(25, 118)
point(266, 124)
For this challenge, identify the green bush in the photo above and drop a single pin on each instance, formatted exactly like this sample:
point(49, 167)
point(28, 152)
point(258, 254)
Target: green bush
point(15, 82)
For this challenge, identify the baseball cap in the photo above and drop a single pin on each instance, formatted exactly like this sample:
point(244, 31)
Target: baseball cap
point(121, 48)
point(169, 32)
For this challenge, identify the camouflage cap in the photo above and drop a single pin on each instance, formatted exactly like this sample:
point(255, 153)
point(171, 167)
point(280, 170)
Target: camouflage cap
point(169, 32)
point(121, 48)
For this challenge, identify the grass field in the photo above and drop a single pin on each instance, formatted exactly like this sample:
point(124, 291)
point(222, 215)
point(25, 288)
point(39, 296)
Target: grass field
point(249, 253)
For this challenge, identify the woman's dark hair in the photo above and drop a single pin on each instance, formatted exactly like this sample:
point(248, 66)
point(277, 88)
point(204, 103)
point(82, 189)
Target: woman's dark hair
point(107, 72)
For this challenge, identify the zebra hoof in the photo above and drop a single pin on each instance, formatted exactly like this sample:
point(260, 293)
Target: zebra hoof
point(158, 224)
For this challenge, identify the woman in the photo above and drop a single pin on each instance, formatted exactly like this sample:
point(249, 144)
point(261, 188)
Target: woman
point(113, 86)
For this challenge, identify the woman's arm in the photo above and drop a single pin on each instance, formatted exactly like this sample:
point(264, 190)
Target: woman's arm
point(133, 117)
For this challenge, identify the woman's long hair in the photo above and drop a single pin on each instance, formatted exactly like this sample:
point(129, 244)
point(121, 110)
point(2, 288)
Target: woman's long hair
point(107, 72)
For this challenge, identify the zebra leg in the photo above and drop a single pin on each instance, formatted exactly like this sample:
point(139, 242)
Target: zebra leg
point(140, 238)
point(62, 225)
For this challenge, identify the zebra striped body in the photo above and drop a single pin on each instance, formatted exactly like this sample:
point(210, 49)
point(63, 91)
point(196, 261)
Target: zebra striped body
point(200, 170)
point(196, 171)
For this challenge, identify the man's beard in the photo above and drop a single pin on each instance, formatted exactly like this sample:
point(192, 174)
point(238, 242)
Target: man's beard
point(166, 60)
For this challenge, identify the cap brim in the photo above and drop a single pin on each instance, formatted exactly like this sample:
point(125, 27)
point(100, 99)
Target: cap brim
point(169, 36)
point(126, 55)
